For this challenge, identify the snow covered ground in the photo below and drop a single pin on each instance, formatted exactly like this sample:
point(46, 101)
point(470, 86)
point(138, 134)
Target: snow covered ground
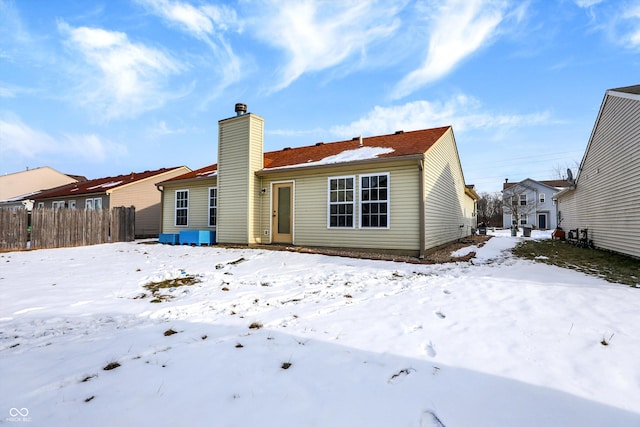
point(496, 342)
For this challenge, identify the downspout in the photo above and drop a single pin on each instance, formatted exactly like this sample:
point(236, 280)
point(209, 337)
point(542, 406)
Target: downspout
point(161, 190)
point(260, 212)
point(421, 208)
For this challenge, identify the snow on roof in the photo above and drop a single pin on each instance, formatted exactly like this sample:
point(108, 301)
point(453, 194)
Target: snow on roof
point(105, 185)
point(208, 173)
point(362, 153)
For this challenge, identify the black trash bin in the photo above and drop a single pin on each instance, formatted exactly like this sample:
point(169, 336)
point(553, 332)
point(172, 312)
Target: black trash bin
point(482, 228)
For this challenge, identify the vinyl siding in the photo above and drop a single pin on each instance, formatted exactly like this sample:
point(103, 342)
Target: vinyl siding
point(239, 156)
point(198, 217)
point(311, 201)
point(146, 198)
point(532, 189)
point(80, 200)
point(445, 216)
point(25, 182)
point(608, 186)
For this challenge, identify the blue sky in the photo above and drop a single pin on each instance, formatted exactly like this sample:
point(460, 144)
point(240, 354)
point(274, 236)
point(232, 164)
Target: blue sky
point(101, 88)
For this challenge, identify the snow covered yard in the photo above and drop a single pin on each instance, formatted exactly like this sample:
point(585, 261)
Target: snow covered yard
point(288, 339)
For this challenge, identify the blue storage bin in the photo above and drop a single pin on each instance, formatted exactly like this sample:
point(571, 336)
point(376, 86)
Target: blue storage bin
point(197, 237)
point(167, 238)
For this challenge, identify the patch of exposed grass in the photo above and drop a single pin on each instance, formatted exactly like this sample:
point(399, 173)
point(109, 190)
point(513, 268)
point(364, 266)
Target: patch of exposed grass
point(255, 325)
point(157, 287)
point(111, 366)
point(610, 266)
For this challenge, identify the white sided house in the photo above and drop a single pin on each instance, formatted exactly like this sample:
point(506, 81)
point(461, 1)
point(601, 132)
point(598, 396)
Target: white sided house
point(604, 198)
point(529, 203)
point(402, 192)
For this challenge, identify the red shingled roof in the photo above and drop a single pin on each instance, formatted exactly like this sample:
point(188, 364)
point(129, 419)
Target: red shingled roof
point(99, 185)
point(400, 144)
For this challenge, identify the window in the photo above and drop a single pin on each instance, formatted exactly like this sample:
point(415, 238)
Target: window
point(93, 203)
point(542, 197)
point(213, 206)
point(341, 201)
point(72, 204)
point(182, 207)
point(40, 205)
point(523, 200)
point(523, 220)
point(59, 204)
point(514, 200)
point(374, 201)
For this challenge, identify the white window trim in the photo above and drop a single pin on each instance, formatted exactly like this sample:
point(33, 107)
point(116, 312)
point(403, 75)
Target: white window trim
point(40, 205)
point(542, 198)
point(175, 206)
point(58, 204)
point(353, 202)
point(526, 200)
point(388, 175)
point(72, 204)
point(210, 207)
point(93, 203)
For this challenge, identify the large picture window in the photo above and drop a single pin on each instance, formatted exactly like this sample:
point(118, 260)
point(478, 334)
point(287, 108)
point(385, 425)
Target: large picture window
point(213, 206)
point(341, 202)
point(182, 207)
point(374, 201)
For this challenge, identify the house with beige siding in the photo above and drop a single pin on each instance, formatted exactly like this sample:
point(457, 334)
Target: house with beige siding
point(401, 192)
point(136, 189)
point(16, 189)
point(604, 197)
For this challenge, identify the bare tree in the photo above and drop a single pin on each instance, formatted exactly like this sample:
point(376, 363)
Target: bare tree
point(489, 208)
point(560, 172)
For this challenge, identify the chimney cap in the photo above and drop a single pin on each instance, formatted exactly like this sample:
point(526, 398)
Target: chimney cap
point(241, 108)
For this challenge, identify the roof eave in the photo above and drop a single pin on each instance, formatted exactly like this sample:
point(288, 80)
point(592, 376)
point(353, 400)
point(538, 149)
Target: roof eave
point(364, 162)
point(186, 180)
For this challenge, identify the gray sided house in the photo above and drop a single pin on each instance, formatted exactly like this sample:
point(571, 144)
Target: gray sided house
point(530, 203)
point(134, 189)
point(604, 198)
point(402, 192)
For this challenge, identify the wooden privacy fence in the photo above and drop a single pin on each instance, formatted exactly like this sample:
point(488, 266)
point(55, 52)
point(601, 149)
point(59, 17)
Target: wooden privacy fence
point(57, 228)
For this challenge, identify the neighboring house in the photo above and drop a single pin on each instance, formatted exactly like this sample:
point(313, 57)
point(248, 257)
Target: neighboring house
point(16, 188)
point(135, 189)
point(530, 203)
point(605, 196)
point(401, 192)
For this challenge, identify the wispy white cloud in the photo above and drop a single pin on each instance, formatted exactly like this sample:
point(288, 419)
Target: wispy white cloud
point(620, 24)
point(458, 28)
point(19, 139)
point(319, 35)
point(119, 78)
point(207, 23)
point(16, 138)
point(162, 129)
point(463, 112)
point(587, 3)
point(631, 23)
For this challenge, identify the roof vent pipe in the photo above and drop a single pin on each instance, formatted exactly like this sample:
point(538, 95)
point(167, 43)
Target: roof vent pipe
point(241, 109)
point(361, 143)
